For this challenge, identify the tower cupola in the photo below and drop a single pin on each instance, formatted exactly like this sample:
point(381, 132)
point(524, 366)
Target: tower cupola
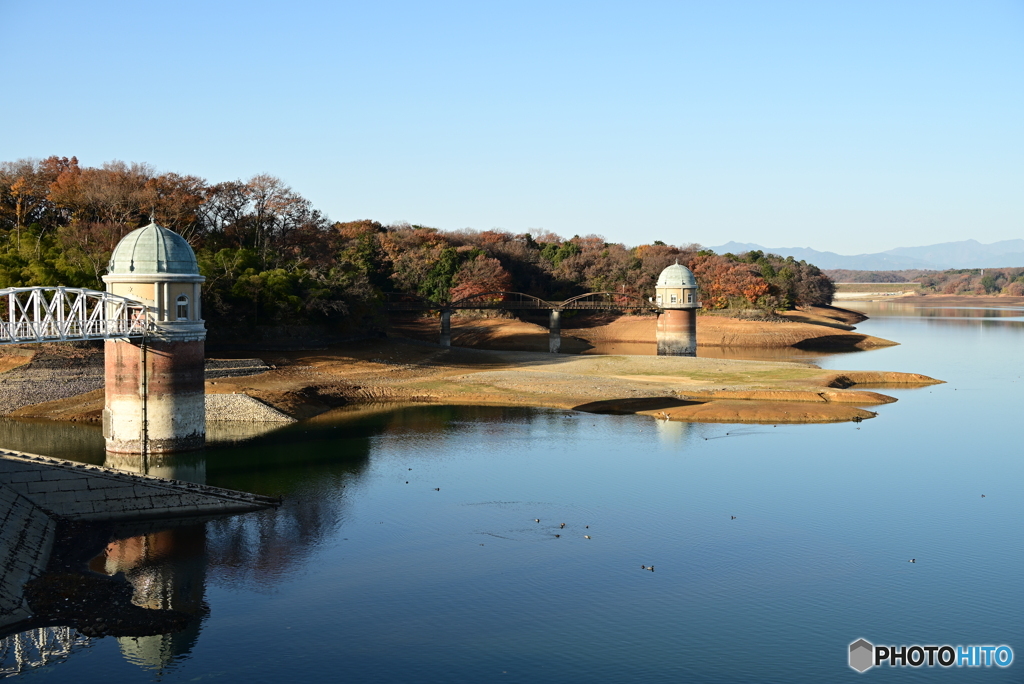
point(158, 267)
point(676, 288)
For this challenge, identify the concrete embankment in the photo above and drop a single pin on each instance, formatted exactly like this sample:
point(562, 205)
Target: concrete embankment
point(41, 495)
point(77, 491)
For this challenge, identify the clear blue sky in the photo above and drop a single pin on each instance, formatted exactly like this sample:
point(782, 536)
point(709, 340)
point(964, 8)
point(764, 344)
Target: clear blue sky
point(852, 126)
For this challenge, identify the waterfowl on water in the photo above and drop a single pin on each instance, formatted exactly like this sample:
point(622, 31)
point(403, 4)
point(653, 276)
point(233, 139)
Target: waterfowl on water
point(912, 560)
point(586, 536)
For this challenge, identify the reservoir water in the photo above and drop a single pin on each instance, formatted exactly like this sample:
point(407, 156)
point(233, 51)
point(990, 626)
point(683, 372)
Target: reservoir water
point(425, 543)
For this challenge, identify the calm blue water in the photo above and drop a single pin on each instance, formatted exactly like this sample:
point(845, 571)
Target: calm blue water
point(368, 573)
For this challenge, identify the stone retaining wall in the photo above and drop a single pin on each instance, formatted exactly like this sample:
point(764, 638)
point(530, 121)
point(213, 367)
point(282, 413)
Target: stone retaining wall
point(77, 491)
point(26, 538)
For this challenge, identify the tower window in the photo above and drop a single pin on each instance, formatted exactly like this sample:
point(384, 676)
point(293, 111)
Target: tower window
point(689, 297)
point(182, 306)
point(672, 299)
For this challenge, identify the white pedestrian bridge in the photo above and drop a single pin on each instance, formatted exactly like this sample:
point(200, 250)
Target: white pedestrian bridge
point(68, 314)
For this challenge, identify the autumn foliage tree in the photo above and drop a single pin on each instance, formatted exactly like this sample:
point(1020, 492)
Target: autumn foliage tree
point(723, 282)
point(480, 275)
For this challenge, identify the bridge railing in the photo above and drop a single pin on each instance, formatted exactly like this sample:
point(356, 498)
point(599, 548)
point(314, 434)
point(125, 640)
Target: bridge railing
point(609, 301)
point(501, 300)
point(65, 314)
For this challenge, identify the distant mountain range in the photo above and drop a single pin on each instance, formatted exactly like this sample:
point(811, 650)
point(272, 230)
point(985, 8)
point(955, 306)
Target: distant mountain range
point(963, 254)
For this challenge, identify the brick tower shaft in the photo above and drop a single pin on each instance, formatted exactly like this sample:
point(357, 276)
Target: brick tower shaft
point(155, 396)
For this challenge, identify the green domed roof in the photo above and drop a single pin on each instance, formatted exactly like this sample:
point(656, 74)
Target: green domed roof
point(677, 275)
point(153, 250)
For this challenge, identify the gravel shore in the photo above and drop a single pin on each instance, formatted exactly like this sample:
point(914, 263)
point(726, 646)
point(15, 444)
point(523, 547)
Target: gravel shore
point(242, 408)
point(49, 379)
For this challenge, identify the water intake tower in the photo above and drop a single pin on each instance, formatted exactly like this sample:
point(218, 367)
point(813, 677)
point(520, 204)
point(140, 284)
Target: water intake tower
point(155, 393)
point(676, 294)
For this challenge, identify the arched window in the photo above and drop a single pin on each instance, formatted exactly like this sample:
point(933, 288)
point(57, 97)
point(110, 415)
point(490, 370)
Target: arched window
point(182, 306)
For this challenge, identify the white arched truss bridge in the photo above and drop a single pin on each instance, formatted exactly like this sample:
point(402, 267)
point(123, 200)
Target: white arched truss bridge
point(68, 314)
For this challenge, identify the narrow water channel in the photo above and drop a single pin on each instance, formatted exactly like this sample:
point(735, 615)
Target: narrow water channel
point(426, 543)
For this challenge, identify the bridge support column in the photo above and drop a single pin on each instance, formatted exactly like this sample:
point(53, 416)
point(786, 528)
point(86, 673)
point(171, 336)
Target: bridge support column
point(677, 332)
point(446, 327)
point(555, 331)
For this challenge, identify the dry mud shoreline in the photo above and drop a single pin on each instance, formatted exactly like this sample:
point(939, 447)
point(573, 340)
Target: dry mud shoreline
point(815, 328)
point(304, 384)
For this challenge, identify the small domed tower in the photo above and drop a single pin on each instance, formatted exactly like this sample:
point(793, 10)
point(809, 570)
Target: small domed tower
point(676, 294)
point(155, 391)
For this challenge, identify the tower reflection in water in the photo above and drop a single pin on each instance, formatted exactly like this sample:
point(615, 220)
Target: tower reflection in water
point(673, 431)
point(166, 568)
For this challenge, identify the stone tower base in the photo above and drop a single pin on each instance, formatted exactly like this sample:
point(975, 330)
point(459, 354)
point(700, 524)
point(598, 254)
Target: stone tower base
point(155, 396)
point(677, 332)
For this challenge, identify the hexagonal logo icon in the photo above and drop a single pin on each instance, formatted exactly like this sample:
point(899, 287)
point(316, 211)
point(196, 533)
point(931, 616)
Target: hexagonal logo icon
point(862, 655)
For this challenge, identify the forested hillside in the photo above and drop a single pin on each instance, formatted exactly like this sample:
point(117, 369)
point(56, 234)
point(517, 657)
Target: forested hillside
point(975, 281)
point(271, 258)
point(955, 281)
point(843, 275)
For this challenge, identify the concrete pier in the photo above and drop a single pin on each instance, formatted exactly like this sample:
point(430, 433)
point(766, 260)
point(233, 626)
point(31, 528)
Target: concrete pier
point(555, 332)
point(446, 327)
